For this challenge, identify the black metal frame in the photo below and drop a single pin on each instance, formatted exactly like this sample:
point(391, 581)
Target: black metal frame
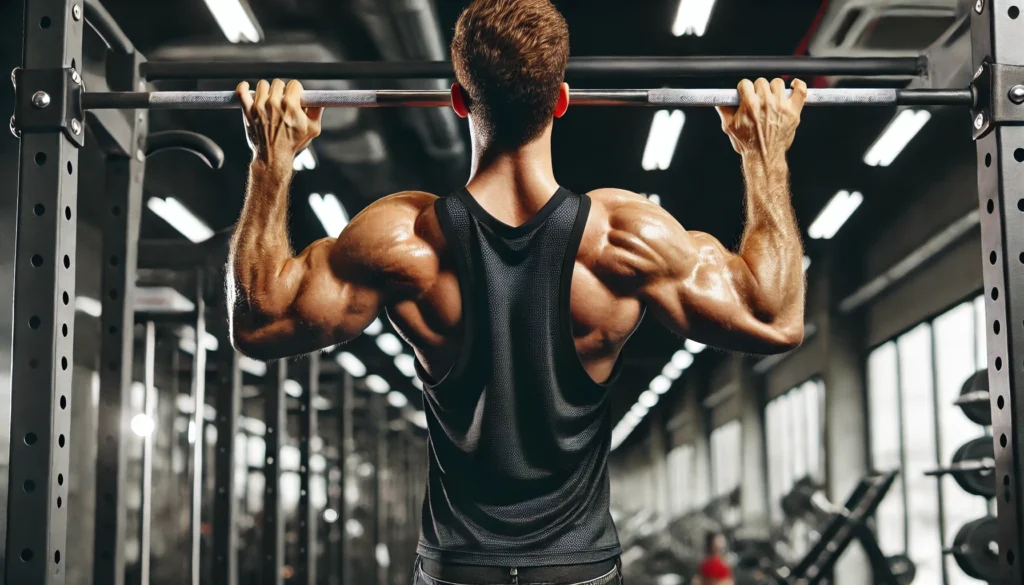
point(199, 424)
point(44, 319)
point(305, 563)
point(996, 40)
point(275, 419)
point(225, 502)
point(123, 191)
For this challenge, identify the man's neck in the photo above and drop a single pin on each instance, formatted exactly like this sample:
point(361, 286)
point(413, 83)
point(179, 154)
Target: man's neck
point(513, 184)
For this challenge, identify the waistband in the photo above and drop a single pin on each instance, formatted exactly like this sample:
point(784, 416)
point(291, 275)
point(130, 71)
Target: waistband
point(600, 573)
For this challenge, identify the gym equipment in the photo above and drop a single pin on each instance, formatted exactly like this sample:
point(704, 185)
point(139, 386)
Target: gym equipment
point(972, 467)
point(976, 549)
point(974, 399)
point(902, 568)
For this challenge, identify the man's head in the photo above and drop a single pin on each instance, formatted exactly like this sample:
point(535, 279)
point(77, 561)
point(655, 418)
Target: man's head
point(714, 544)
point(510, 58)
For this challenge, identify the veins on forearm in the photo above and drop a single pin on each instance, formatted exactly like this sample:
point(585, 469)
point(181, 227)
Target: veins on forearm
point(261, 245)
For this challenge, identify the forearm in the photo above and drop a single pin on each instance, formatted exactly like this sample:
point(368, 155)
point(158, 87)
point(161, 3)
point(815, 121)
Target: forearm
point(771, 245)
point(260, 246)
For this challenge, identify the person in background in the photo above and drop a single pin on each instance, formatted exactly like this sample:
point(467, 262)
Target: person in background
point(714, 570)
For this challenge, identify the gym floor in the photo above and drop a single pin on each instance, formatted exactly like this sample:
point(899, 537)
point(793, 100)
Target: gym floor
point(895, 318)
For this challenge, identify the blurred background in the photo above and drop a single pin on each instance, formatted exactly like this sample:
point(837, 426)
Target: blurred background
point(703, 440)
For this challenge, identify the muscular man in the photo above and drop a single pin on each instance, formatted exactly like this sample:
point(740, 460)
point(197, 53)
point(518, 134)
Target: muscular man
point(517, 295)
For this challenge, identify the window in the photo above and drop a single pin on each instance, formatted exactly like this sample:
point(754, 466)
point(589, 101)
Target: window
point(912, 383)
point(725, 458)
point(682, 478)
point(793, 435)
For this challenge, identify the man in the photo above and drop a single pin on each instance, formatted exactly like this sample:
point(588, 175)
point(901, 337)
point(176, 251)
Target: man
point(517, 295)
point(714, 570)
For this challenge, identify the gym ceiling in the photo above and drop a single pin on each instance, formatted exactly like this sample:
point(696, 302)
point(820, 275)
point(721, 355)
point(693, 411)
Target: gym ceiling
point(364, 155)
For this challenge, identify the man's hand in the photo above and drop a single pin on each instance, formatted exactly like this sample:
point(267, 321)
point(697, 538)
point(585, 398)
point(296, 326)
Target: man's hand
point(276, 124)
point(765, 122)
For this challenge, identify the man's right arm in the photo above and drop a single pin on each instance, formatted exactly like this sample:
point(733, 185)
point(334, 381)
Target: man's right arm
point(751, 300)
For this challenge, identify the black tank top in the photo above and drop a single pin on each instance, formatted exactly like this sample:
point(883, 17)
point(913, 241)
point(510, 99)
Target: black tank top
point(518, 431)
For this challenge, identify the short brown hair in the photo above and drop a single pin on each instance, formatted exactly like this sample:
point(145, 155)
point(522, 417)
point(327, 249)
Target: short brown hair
point(510, 57)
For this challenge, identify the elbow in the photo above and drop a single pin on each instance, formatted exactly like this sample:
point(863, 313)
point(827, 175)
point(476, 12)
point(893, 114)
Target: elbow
point(787, 337)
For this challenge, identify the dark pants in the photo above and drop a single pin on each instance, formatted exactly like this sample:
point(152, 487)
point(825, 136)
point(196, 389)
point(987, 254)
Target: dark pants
point(510, 576)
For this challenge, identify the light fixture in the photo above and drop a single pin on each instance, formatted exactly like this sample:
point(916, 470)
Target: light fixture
point(834, 215)
point(89, 306)
point(180, 218)
point(406, 364)
point(187, 343)
point(330, 212)
point(377, 384)
point(418, 418)
point(330, 515)
point(251, 366)
point(352, 493)
point(351, 363)
point(807, 263)
point(317, 463)
point(660, 385)
point(354, 528)
point(647, 398)
point(661, 142)
point(639, 411)
point(692, 17)
point(304, 161)
point(631, 419)
point(900, 131)
point(382, 555)
point(694, 347)
point(682, 359)
point(670, 371)
point(397, 399)
point(655, 199)
point(142, 425)
point(237, 23)
point(389, 344)
point(374, 328)
point(417, 383)
point(292, 388)
point(161, 299)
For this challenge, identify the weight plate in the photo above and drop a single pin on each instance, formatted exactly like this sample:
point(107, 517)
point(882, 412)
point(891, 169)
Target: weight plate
point(902, 568)
point(977, 412)
point(981, 482)
point(976, 549)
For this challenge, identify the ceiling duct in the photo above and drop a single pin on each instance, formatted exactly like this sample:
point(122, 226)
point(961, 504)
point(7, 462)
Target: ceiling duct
point(408, 30)
point(288, 47)
point(878, 28)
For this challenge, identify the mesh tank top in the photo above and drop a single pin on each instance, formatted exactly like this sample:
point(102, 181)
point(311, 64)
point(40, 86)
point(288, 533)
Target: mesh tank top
point(518, 431)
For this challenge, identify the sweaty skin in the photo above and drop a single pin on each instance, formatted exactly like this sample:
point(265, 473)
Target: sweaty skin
point(393, 255)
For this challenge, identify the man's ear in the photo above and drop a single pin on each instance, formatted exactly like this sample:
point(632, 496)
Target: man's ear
point(563, 100)
point(459, 101)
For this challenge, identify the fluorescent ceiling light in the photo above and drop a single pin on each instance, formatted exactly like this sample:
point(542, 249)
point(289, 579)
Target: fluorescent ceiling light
point(418, 418)
point(234, 20)
point(330, 212)
point(180, 218)
point(417, 383)
point(834, 215)
point(647, 398)
point(292, 388)
point(161, 299)
point(661, 142)
point(639, 411)
point(660, 385)
point(655, 199)
point(900, 131)
point(382, 556)
point(389, 344)
point(397, 399)
point(406, 364)
point(330, 516)
point(351, 363)
point(682, 359)
point(632, 418)
point(89, 306)
point(807, 263)
point(304, 161)
point(693, 347)
point(692, 17)
point(670, 371)
point(142, 425)
point(374, 328)
point(251, 366)
point(187, 343)
point(377, 384)
point(353, 528)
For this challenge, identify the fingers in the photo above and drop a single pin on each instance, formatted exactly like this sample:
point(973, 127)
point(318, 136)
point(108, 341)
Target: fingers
point(778, 88)
point(246, 98)
point(799, 95)
point(262, 95)
point(726, 113)
point(276, 94)
point(762, 88)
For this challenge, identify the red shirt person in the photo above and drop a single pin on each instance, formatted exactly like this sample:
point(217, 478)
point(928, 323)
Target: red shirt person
point(714, 570)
